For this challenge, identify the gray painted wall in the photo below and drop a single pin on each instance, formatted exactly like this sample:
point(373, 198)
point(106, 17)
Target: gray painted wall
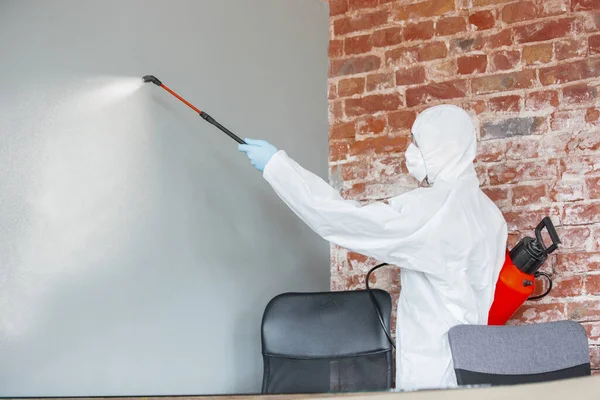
point(138, 248)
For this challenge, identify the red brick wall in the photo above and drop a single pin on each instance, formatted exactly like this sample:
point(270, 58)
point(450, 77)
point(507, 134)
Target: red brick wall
point(529, 73)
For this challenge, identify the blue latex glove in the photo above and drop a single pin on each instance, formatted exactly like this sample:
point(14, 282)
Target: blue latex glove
point(258, 151)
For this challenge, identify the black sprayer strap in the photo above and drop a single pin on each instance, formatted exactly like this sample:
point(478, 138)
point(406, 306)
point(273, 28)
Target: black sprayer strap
point(214, 122)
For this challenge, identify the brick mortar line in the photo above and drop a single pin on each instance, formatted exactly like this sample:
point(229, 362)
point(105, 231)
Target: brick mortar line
point(579, 15)
point(542, 158)
point(487, 164)
point(380, 51)
point(392, 69)
point(570, 299)
point(459, 11)
point(512, 208)
point(539, 87)
point(483, 117)
point(522, 113)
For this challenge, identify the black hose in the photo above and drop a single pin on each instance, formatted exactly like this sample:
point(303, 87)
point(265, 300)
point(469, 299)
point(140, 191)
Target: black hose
point(538, 274)
point(376, 304)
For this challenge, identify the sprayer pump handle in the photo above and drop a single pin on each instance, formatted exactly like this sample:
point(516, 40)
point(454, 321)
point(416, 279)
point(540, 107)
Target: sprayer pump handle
point(547, 223)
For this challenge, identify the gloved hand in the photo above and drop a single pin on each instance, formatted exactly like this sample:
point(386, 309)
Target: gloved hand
point(258, 151)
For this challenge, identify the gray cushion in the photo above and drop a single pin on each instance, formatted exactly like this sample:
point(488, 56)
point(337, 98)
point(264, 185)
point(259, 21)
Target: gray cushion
point(517, 350)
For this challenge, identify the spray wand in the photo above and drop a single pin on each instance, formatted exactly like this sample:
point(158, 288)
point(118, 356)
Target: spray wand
point(203, 115)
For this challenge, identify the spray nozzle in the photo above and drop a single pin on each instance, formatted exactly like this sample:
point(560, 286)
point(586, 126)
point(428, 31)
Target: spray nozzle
point(153, 79)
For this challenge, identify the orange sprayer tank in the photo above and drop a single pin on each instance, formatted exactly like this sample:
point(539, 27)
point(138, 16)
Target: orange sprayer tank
point(516, 282)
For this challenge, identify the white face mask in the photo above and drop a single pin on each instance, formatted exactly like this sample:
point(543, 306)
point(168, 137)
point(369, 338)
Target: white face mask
point(415, 162)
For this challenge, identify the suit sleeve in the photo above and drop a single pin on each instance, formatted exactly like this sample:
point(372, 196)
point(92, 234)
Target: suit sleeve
point(376, 230)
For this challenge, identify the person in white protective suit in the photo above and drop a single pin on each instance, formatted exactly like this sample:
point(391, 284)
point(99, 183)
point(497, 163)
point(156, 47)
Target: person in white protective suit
point(447, 236)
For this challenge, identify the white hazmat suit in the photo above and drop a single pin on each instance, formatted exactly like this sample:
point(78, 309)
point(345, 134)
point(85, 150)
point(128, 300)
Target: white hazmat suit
point(449, 240)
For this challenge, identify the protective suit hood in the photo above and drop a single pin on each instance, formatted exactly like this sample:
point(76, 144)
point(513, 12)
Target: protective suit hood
point(446, 137)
